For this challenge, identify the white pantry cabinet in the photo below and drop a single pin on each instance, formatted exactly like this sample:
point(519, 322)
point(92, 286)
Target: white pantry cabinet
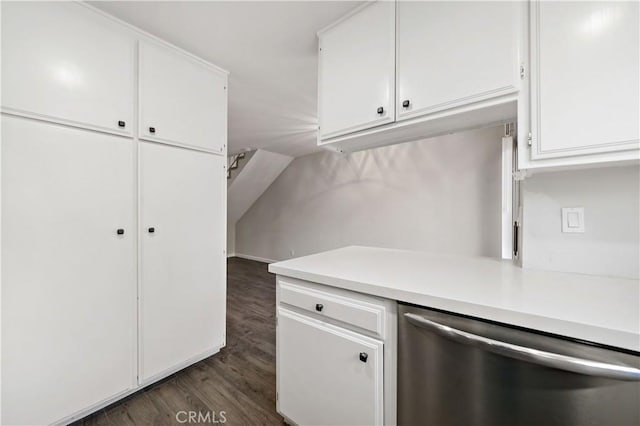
point(183, 101)
point(183, 270)
point(584, 82)
point(455, 53)
point(68, 276)
point(63, 62)
point(95, 303)
point(356, 71)
point(328, 375)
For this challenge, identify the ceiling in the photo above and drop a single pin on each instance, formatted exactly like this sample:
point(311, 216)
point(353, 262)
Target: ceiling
point(270, 49)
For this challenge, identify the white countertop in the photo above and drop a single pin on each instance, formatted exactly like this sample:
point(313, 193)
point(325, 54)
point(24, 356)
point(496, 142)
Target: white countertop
point(597, 309)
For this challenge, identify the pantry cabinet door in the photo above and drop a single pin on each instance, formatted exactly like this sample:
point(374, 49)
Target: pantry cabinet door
point(452, 54)
point(183, 287)
point(182, 101)
point(63, 62)
point(585, 84)
point(68, 276)
point(356, 71)
point(327, 375)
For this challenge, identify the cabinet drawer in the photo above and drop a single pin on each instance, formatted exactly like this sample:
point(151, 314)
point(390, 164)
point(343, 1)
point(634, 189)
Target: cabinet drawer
point(364, 314)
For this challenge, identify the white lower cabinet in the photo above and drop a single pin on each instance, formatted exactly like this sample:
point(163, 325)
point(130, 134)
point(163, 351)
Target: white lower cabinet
point(328, 375)
point(335, 356)
point(183, 288)
point(68, 270)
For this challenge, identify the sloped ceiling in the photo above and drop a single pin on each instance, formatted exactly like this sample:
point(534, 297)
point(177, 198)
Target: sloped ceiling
point(270, 49)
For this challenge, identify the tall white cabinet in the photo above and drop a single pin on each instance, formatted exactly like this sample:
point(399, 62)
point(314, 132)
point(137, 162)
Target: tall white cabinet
point(113, 264)
point(181, 317)
point(68, 275)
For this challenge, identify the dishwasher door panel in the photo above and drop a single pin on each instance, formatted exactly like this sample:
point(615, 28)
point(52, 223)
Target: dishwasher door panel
point(442, 381)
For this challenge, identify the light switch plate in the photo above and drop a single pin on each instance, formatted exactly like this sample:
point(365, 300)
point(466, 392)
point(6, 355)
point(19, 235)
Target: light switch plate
point(573, 219)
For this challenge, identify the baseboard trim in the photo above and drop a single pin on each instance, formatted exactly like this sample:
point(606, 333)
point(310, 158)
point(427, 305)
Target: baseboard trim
point(257, 258)
point(231, 255)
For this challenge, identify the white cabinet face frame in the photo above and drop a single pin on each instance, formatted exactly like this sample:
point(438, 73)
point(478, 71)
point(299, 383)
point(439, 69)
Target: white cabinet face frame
point(603, 40)
point(421, 77)
point(82, 72)
point(315, 347)
point(173, 107)
point(361, 73)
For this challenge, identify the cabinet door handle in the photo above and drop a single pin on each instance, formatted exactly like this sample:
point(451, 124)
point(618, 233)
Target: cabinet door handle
point(152, 129)
point(121, 123)
point(120, 231)
point(363, 356)
point(152, 230)
point(406, 103)
point(319, 307)
point(380, 110)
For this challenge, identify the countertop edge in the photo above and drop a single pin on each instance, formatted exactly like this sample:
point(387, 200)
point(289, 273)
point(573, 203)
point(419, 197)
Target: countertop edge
point(560, 327)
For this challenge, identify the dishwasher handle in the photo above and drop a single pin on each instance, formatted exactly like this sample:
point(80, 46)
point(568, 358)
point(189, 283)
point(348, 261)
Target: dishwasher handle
point(535, 356)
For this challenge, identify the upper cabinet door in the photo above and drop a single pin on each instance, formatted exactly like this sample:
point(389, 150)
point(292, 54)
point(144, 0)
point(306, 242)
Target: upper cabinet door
point(63, 62)
point(455, 53)
point(585, 84)
point(182, 101)
point(356, 71)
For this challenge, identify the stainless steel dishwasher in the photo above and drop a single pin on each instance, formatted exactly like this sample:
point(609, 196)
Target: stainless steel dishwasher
point(456, 370)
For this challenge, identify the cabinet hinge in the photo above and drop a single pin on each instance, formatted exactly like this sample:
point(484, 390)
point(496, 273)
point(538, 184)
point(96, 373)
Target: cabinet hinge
point(529, 139)
point(516, 227)
point(521, 71)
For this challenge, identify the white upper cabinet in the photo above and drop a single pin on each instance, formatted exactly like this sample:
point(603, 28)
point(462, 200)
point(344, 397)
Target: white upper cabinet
point(183, 101)
point(65, 63)
point(585, 79)
point(455, 53)
point(356, 71)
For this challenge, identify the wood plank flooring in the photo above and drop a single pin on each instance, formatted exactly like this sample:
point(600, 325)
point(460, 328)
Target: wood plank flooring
point(240, 380)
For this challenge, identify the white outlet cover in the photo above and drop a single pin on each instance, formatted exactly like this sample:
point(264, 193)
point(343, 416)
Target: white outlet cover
point(573, 219)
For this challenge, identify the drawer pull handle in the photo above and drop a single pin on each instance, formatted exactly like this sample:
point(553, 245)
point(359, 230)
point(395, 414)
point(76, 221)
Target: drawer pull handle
point(319, 307)
point(120, 231)
point(363, 356)
point(121, 123)
point(380, 110)
point(152, 129)
point(406, 103)
point(152, 230)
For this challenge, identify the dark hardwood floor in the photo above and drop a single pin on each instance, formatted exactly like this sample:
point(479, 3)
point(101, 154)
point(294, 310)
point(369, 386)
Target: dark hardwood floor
point(240, 380)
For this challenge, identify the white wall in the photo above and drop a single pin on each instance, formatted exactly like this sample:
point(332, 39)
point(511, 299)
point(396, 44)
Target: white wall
point(611, 242)
point(257, 173)
point(440, 194)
